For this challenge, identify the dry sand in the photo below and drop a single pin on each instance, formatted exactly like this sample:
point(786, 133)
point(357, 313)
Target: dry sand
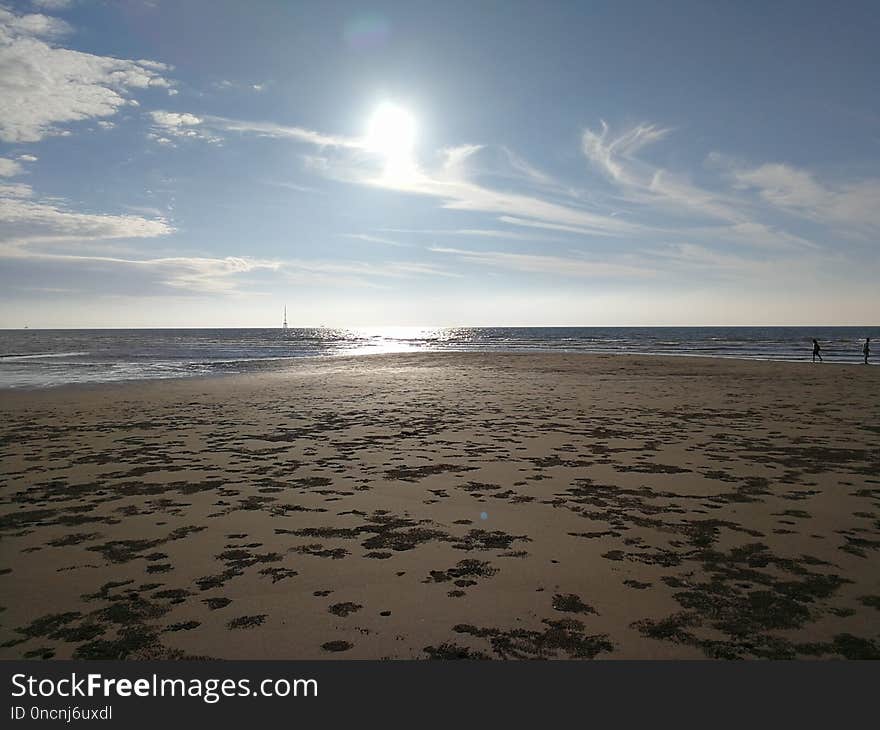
point(447, 505)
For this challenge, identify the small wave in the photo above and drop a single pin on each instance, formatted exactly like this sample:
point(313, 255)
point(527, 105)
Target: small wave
point(41, 355)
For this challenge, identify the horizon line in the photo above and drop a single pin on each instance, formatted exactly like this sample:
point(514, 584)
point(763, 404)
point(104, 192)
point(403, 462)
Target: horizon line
point(446, 326)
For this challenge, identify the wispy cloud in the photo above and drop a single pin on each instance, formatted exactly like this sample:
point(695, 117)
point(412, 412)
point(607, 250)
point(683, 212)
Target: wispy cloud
point(375, 239)
point(556, 265)
point(24, 221)
point(797, 191)
point(514, 221)
point(51, 4)
point(191, 275)
point(9, 168)
point(645, 184)
point(30, 231)
point(15, 190)
point(291, 186)
point(639, 186)
point(468, 233)
point(226, 85)
point(455, 158)
point(197, 275)
point(280, 131)
point(449, 183)
point(613, 155)
point(527, 170)
point(352, 273)
point(457, 192)
point(711, 215)
point(776, 272)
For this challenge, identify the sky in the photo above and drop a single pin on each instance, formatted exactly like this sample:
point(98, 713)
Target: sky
point(206, 163)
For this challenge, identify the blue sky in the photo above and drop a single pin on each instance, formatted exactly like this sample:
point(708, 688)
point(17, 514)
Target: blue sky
point(421, 163)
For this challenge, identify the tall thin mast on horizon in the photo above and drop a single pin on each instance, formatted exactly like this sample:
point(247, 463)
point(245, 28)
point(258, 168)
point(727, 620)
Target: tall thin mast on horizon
point(284, 326)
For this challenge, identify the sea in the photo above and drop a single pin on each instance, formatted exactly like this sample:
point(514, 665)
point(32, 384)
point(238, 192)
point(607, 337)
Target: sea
point(36, 358)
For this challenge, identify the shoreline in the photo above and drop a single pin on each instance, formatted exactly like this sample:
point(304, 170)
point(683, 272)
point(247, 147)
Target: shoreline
point(281, 364)
point(469, 505)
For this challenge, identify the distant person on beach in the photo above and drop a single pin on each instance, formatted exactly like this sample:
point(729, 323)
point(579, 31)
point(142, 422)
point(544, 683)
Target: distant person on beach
point(816, 351)
point(866, 350)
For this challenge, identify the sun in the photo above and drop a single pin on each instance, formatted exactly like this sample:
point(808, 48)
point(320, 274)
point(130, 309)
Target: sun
point(391, 132)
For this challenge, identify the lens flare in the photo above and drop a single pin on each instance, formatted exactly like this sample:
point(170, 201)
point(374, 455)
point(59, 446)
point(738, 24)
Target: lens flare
point(367, 32)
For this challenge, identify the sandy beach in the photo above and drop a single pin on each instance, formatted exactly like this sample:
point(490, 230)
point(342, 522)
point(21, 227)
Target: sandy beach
point(447, 506)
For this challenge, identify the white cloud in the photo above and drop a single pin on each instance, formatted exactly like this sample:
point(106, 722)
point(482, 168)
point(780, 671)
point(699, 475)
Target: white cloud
point(462, 194)
point(225, 84)
point(27, 158)
point(14, 26)
point(454, 158)
point(752, 234)
point(849, 205)
point(268, 129)
point(514, 221)
point(27, 222)
point(9, 168)
point(556, 265)
point(699, 262)
point(135, 276)
point(51, 4)
point(360, 273)
point(31, 232)
point(15, 190)
point(184, 124)
point(468, 232)
point(181, 125)
point(206, 274)
point(43, 86)
point(613, 154)
point(374, 239)
point(450, 183)
point(175, 120)
point(291, 186)
point(645, 184)
point(527, 170)
point(349, 159)
point(738, 219)
point(783, 185)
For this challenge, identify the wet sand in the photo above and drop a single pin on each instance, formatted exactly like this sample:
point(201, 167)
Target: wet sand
point(447, 506)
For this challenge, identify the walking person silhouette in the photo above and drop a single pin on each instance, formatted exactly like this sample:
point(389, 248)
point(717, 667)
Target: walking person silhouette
point(866, 350)
point(816, 351)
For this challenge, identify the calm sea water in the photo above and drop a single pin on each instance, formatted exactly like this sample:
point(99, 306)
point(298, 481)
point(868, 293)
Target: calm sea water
point(43, 358)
